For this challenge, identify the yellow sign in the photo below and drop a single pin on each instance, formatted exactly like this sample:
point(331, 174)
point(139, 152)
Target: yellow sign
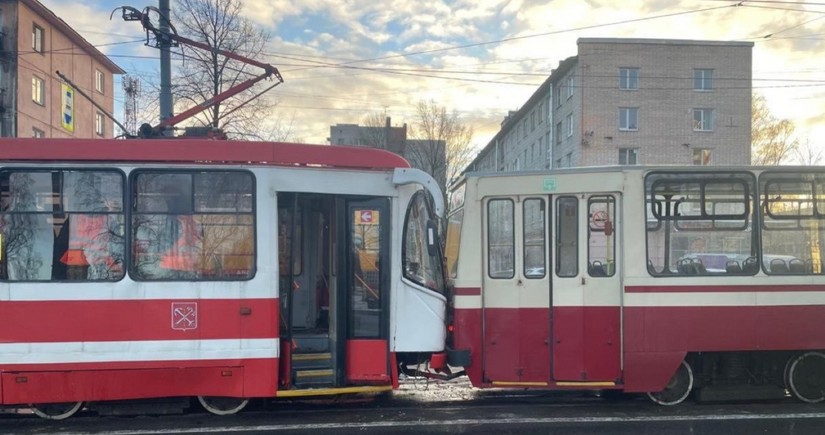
point(67, 101)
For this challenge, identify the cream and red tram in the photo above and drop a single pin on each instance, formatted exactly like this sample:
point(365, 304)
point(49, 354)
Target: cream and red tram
point(220, 270)
point(656, 280)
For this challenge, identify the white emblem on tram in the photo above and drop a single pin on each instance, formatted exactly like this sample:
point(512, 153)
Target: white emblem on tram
point(184, 315)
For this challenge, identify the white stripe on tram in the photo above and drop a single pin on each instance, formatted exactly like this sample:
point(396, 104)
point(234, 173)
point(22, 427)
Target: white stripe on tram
point(131, 351)
point(468, 421)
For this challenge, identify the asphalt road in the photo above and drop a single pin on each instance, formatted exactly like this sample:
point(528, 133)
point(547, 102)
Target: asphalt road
point(486, 412)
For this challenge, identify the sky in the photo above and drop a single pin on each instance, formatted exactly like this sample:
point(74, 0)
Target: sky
point(479, 58)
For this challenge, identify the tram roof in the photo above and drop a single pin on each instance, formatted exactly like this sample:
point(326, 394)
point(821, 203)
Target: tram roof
point(197, 151)
point(640, 168)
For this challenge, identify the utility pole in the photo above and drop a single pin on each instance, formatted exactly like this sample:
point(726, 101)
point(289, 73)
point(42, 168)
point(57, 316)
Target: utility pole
point(166, 103)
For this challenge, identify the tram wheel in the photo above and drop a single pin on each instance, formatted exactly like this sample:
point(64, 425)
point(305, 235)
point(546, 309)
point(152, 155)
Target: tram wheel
point(56, 411)
point(677, 389)
point(806, 377)
point(222, 405)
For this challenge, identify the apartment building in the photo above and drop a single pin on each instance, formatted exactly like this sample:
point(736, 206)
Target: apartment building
point(633, 101)
point(427, 155)
point(34, 101)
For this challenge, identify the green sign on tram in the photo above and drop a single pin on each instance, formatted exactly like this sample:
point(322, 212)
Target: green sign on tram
point(550, 185)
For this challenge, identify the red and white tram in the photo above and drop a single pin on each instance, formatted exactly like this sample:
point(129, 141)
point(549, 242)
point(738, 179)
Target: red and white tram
point(656, 280)
point(211, 269)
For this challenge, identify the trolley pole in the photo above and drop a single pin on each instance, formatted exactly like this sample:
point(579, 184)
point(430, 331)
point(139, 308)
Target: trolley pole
point(166, 104)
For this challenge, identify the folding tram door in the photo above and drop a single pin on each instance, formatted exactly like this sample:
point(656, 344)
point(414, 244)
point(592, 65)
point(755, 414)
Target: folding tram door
point(334, 292)
point(551, 290)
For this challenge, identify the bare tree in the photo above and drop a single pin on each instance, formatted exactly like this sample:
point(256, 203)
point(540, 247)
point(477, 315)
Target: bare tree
point(773, 141)
point(809, 155)
point(442, 142)
point(375, 133)
point(203, 75)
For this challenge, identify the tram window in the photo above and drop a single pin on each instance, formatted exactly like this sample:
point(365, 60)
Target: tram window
point(61, 225)
point(421, 264)
point(534, 238)
point(567, 236)
point(700, 223)
point(601, 239)
point(793, 227)
point(500, 239)
point(190, 225)
point(451, 250)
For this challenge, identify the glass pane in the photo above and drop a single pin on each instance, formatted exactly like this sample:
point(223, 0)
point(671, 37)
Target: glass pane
point(223, 192)
point(567, 236)
point(164, 193)
point(500, 237)
point(89, 191)
point(453, 238)
point(365, 298)
point(601, 246)
point(29, 191)
point(534, 238)
point(419, 265)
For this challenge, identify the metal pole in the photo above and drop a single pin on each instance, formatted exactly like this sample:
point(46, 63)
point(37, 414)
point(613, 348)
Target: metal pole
point(166, 109)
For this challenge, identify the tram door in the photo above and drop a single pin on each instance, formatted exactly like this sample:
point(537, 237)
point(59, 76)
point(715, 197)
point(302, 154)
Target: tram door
point(333, 254)
point(586, 290)
point(516, 291)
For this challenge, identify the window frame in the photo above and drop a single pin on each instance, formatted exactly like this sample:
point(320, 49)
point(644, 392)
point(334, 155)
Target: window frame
point(627, 151)
point(628, 81)
point(701, 154)
point(100, 124)
point(557, 233)
point(38, 90)
point(703, 79)
point(705, 118)
point(99, 81)
point(568, 125)
point(624, 118)
point(512, 238)
point(421, 195)
point(124, 212)
point(524, 267)
point(38, 39)
point(132, 211)
point(38, 133)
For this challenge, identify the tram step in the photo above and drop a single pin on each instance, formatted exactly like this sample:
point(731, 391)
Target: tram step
point(307, 361)
point(720, 393)
point(310, 343)
point(314, 377)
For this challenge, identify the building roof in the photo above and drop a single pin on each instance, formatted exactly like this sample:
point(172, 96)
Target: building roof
point(662, 41)
point(73, 36)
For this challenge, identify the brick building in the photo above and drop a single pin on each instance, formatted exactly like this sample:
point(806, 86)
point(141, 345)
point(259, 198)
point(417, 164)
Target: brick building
point(34, 101)
point(633, 101)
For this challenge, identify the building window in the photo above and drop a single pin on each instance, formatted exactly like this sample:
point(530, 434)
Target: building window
point(558, 133)
point(558, 163)
point(99, 81)
point(701, 156)
point(99, 124)
point(532, 121)
point(568, 160)
point(702, 119)
point(38, 133)
point(37, 38)
point(702, 79)
point(558, 96)
point(569, 125)
point(38, 91)
point(524, 129)
point(539, 115)
point(629, 79)
point(628, 118)
point(628, 156)
point(569, 87)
